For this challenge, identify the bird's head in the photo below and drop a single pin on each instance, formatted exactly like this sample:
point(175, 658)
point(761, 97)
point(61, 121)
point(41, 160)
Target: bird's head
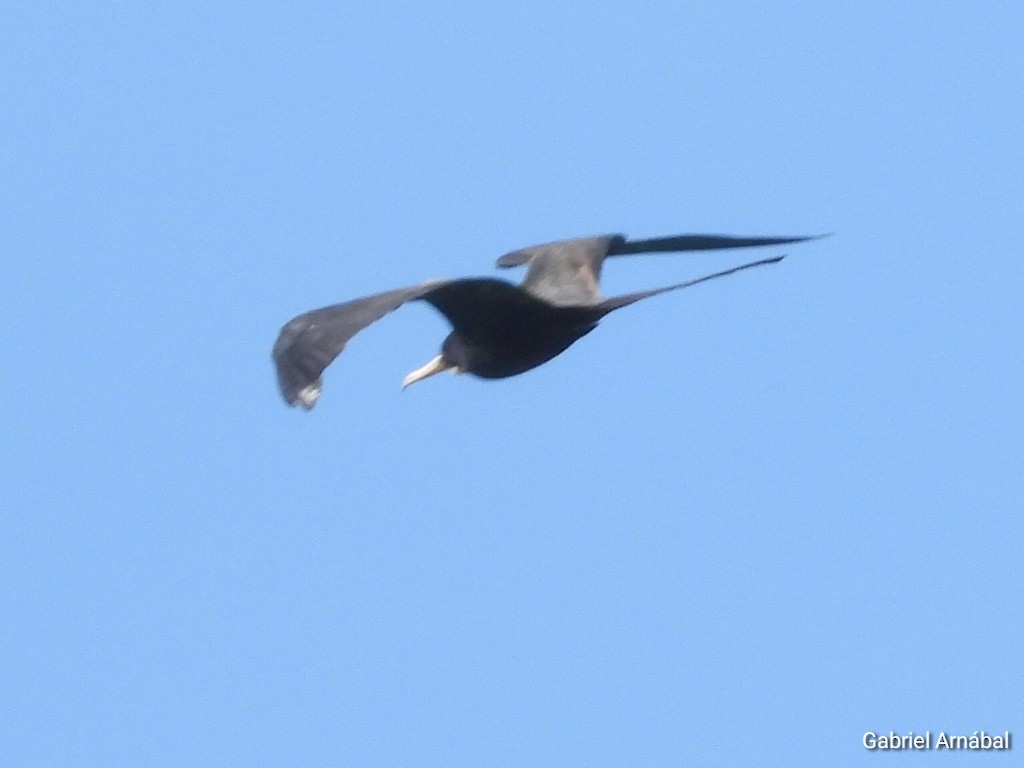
point(454, 357)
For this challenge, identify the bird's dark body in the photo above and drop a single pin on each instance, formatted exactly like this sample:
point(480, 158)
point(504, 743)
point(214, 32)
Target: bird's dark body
point(498, 329)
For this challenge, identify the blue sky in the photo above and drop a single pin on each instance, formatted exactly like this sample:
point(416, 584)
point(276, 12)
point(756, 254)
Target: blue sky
point(738, 525)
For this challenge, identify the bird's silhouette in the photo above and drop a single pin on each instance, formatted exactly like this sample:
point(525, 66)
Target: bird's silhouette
point(498, 329)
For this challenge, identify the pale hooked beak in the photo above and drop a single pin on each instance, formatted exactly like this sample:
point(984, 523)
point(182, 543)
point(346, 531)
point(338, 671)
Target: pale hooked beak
point(437, 365)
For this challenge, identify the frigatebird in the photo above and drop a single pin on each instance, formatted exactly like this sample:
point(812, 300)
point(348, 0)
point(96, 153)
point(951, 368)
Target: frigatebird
point(498, 329)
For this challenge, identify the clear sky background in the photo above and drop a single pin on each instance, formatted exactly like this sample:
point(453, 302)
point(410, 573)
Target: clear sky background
point(738, 525)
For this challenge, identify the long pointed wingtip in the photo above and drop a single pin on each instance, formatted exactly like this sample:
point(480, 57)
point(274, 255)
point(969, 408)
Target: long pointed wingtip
point(701, 242)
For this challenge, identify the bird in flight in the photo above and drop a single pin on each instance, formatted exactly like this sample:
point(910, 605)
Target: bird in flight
point(498, 329)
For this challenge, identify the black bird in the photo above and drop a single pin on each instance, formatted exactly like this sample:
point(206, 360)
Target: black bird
point(498, 329)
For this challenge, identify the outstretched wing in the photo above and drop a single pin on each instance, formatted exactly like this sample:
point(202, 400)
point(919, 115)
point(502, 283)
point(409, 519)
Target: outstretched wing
point(567, 272)
point(309, 343)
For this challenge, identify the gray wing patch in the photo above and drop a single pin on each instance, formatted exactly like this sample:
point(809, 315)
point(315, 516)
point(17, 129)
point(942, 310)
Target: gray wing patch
point(309, 342)
point(566, 272)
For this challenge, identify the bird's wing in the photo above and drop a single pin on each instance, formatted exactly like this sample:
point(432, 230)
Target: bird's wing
point(309, 343)
point(568, 271)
